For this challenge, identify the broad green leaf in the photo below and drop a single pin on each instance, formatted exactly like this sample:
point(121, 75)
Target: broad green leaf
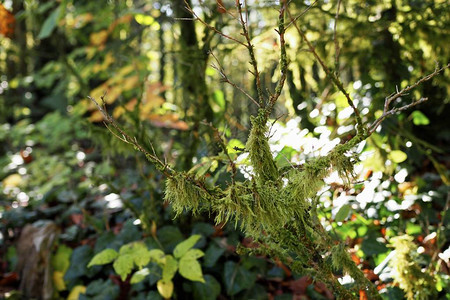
point(419, 118)
point(139, 276)
point(342, 213)
point(58, 281)
point(234, 143)
point(103, 258)
point(170, 268)
point(165, 288)
point(397, 156)
point(141, 255)
point(193, 254)
point(184, 246)
point(61, 259)
point(49, 24)
point(123, 265)
point(191, 269)
point(237, 278)
point(212, 254)
point(209, 290)
point(218, 101)
point(76, 291)
point(157, 255)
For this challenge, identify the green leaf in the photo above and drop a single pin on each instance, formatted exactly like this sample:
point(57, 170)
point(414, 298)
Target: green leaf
point(170, 268)
point(165, 288)
point(218, 101)
point(191, 269)
point(141, 256)
point(139, 276)
point(234, 143)
point(342, 213)
point(103, 258)
point(193, 254)
point(212, 254)
point(157, 255)
point(419, 118)
point(237, 278)
point(49, 24)
point(123, 265)
point(209, 290)
point(184, 246)
point(61, 259)
point(397, 156)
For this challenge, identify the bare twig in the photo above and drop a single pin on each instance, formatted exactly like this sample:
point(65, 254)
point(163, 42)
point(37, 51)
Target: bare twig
point(225, 78)
point(331, 75)
point(336, 41)
point(300, 15)
point(197, 18)
point(388, 112)
point(249, 47)
point(119, 133)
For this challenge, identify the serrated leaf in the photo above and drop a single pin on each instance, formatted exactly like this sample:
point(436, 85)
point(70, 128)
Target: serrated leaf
point(191, 269)
point(193, 254)
point(397, 156)
point(49, 24)
point(165, 288)
point(170, 268)
point(342, 213)
point(103, 258)
point(419, 118)
point(184, 246)
point(123, 265)
point(139, 276)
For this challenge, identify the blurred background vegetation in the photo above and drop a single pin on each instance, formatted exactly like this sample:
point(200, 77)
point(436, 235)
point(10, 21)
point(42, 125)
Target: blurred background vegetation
point(71, 189)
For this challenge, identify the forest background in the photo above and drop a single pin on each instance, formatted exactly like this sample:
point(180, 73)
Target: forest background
point(182, 89)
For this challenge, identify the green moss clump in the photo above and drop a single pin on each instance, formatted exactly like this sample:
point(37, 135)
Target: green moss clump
point(407, 271)
point(259, 150)
point(183, 194)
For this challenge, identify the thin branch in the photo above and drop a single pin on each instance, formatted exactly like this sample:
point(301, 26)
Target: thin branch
point(336, 41)
point(225, 78)
point(126, 138)
point(197, 18)
point(331, 75)
point(300, 15)
point(388, 112)
point(249, 47)
point(283, 59)
point(222, 144)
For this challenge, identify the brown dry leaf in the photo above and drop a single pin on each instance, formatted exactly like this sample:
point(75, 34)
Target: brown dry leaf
point(7, 22)
point(168, 121)
point(130, 82)
point(96, 116)
point(123, 19)
point(99, 38)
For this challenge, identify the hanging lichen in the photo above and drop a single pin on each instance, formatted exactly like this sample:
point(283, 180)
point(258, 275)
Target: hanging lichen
point(407, 271)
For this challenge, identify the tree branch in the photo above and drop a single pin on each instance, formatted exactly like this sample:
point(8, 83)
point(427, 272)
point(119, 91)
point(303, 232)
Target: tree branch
point(388, 112)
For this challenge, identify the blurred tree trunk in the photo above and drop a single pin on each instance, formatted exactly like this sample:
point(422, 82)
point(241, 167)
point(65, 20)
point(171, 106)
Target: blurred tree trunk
point(191, 65)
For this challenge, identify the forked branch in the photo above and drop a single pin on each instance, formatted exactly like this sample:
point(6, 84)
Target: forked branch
point(386, 109)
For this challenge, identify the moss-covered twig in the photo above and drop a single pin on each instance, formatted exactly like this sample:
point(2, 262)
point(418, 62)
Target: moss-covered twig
point(249, 46)
point(386, 109)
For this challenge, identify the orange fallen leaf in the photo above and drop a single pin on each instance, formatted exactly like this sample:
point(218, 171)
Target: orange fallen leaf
point(7, 22)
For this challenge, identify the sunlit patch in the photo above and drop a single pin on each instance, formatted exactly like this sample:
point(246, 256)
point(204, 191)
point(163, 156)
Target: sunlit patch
point(113, 201)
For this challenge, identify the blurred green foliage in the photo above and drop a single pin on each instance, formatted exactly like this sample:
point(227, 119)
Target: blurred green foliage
point(59, 163)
